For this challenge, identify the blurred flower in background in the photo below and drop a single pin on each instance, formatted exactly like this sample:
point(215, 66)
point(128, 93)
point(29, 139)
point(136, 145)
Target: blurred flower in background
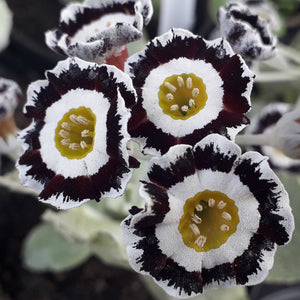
point(6, 22)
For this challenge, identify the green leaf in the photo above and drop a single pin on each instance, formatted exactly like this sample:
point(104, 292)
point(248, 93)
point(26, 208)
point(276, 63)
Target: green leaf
point(47, 250)
point(287, 258)
point(98, 232)
point(109, 250)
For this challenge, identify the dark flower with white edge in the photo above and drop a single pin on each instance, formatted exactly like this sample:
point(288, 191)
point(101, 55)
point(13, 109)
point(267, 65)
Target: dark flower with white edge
point(213, 218)
point(247, 32)
point(266, 10)
point(264, 133)
point(10, 94)
point(75, 148)
point(99, 31)
point(187, 88)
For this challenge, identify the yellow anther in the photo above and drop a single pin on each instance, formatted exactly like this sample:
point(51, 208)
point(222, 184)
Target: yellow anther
point(200, 241)
point(64, 134)
point(195, 229)
point(189, 83)
point(224, 228)
point(180, 81)
point(196, 219)
point(226, 216)
point(171, 87)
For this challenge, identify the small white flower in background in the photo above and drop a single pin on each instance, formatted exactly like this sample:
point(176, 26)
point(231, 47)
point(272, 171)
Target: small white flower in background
point(286, 134)
point(213, 218)
point(247, 32)
point(271, 133)
point(99, 31)
point(75, 148)
point(6, 22)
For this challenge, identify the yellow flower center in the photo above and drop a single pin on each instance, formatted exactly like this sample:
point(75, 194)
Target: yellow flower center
point(208, 220)
point(74, 134)
point(182, 96)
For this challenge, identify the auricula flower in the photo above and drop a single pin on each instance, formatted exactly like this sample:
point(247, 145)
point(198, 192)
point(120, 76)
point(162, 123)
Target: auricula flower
point(99, 31)
point(248, 33)
point(213, 217)
point(10, 94)
point(275, 133)
point(75, 148)
point(266, 10)
point(187, 88)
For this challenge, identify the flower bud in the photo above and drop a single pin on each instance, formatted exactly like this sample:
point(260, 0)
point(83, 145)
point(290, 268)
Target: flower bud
point(248, 33)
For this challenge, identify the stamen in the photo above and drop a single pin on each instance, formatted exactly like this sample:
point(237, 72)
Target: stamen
point(224, 227)
point(170, 96)
point(196, 219)
point(189, 83)
point(85, 133)
point(83, 120)
point(83, 144)
point(195, 229)
point(200, 241)
point(195, 92)
point(65, 142)
point(192, 102)
point(199, 207)
point(211, 202)
point(64, 134)
point(74, 146)
point(180, 81)
point(73, 118)
point(184, 108)
point(174, 107)
point(170, 86)
point(66, 125)
point(226, 216)
point(221, 204)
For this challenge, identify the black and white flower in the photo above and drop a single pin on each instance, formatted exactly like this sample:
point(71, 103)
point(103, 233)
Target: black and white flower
point(187, 88)
point(275, 133)
point(99, 31)
point(248, 33)
point(75, 148)
point(213, 217)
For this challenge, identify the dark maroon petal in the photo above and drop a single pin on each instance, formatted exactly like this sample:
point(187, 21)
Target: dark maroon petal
point(109, 177)
point(234, 85)
point(153, 261)
point(72, 78)
point(216, 55)
point(264, 191)
point(249, 262)
point(243, 266)
point(182, 167)
point(32, 136)
point(215, 160)
point(72, 189)
point(43, 99)
point(38, 169)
